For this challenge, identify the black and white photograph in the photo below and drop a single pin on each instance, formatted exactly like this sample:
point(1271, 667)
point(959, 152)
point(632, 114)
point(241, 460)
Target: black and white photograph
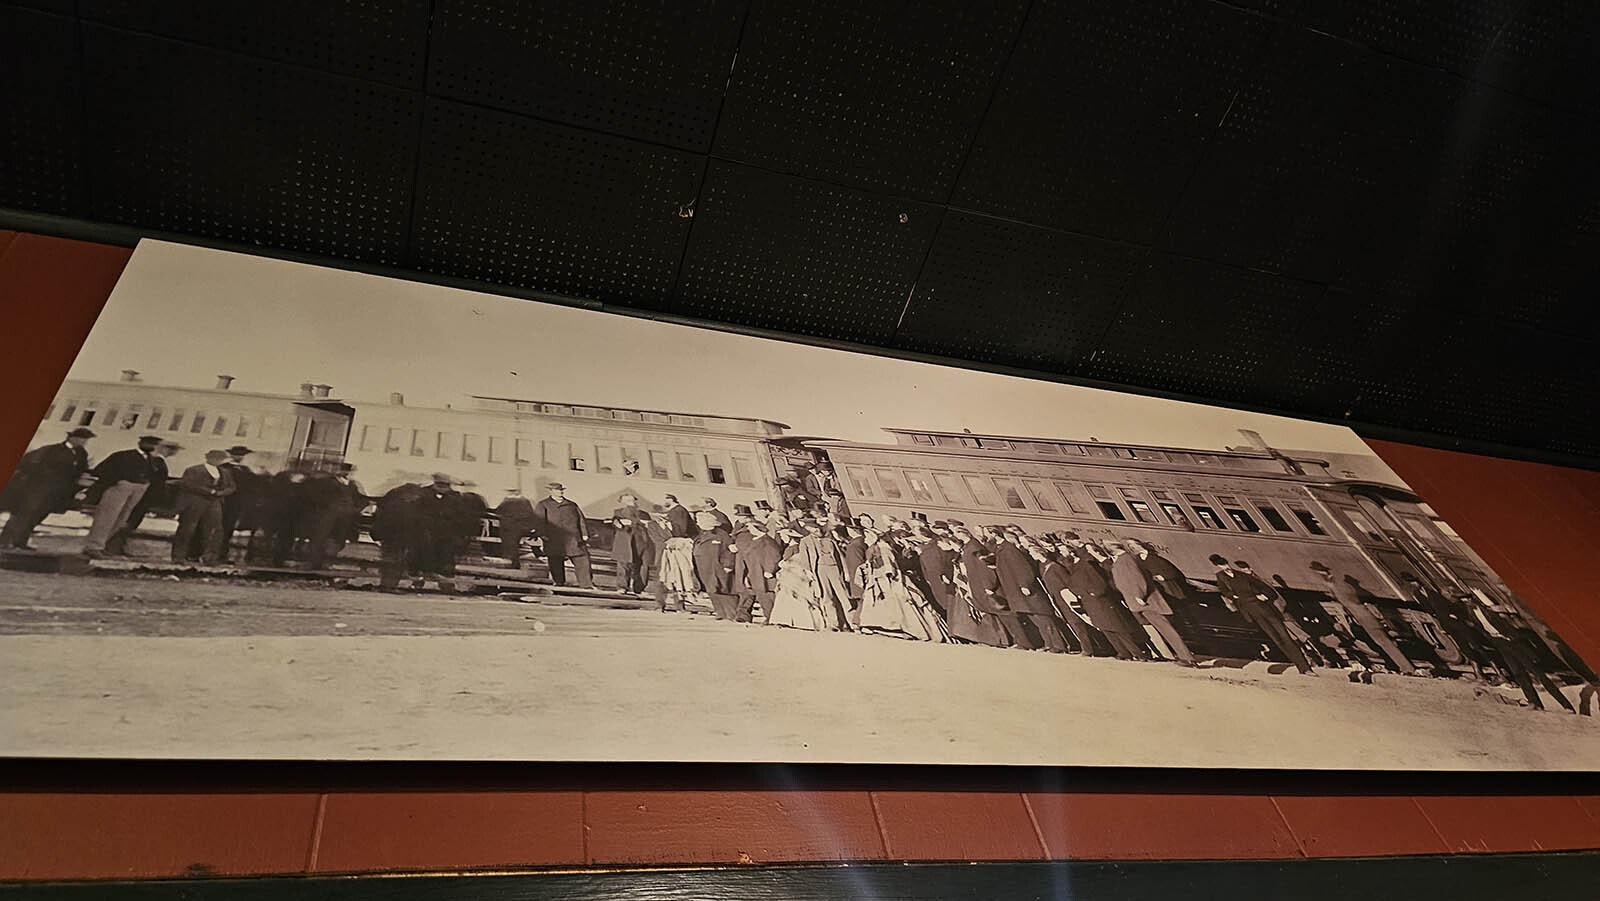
point(279, 511)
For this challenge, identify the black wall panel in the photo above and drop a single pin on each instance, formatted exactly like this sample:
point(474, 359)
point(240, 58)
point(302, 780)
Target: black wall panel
point(649, 70)
point(186, 139)
point(776, 251)
point(884, 96)
point(519, 202)
point(1105, 111)
point(1016, 294)
point(378, 40)
point(40, 121)
point(1380, 210)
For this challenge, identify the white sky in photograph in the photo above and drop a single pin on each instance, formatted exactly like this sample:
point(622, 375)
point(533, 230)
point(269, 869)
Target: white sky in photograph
point(181, 315)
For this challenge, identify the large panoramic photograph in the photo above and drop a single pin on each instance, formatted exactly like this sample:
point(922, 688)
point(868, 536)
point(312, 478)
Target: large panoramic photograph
point(278, 511)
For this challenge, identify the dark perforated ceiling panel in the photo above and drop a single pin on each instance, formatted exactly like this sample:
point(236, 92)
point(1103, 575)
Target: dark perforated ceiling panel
point(1385, 212)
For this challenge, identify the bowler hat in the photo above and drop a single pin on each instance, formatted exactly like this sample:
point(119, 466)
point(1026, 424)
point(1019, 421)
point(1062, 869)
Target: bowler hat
point(150, 439)
point(1220, 560)
point(239, 450)
point(555, 486)
point(80, 433)
point(1319, 566)
point(441, 477)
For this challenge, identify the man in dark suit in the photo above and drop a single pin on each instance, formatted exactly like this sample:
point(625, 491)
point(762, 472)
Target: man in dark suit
point(155, 495)
point(1148, 604)
point(1101, 606)
point(1245, 594)
point(713, 564)
point(1019, 584)
point(235, 505)
point(979, 562)
point(758, 563)
point(45, 482)
point(440, 519)
point(1454, 620)
point(120, 483)
point(709, 505)
point(1521, 664)
point(565, 531)
point(630, 544)
point(200, 493)
point(938, 566)
point(679, 517)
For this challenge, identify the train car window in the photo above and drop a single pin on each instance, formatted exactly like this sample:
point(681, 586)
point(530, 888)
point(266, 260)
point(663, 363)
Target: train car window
point(922, 439)
point(110, 417)
point(444, 447)
point(1242, 519)
point(419, 443)
point(365, 442)
point(1098, 491)
point(69, 410)
point(1095, 450)
point(716, 475)
point(858, 481)
point(243, 431)
point(658, 465)
point(86, 418)
point(1174, 457)
point(1364, 526)
point(1072, 450)
point(890, 484)
point(1122, 452)
point(1157, 456)
point(177, 420)
point(605, 458)
point(1204, 458)
point(49, 412)
point(982, 491)
point(686, 470)
point(197, 424)
point(1011, 494)
point(469, 449)
point(1128, 492)
point(391, 441)
point(1160, 495)
point(1273, 517)
point(1208, 517)
point(1068, 495)
point(1042, 448)
point(744, 471)
point(154, 422)
point(1308, 519)
point(130, 418)
point(523, 449)
point(497, 448)
point(1176, 515)
point(952, 490)
point(551, 454)
point(994, 443)
point(919, 487)
point(970, 442)
point(220, 426)
point(1041, 496)
point(1110, 510)
point(1142, 512)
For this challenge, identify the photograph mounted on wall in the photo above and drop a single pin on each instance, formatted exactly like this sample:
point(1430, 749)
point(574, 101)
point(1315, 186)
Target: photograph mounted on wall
point(279, 511)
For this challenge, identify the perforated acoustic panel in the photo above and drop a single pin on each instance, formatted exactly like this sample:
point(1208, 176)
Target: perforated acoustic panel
point(1048, 296)
point(776, 251)
point(642, 69)
point(39, 144)
point(494, 200)
point(187, 139)
point(1380, 211)
point(883, 96)
point(1104, 111)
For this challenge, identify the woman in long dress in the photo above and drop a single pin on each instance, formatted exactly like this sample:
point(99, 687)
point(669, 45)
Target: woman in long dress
point(792, 601)
point(890, 603)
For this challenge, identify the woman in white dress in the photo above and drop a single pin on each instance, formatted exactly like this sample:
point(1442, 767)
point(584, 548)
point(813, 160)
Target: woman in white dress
point(890, 603)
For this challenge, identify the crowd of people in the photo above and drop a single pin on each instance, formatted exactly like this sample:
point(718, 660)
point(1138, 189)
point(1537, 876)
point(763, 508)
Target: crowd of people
point(817, 569)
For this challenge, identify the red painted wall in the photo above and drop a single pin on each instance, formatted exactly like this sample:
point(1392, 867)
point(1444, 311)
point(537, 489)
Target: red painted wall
point(1539, 526)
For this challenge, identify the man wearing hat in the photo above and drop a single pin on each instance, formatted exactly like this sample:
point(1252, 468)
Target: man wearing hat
point(565, 531)
point(441, 521)
point(679, 517)
point(200, 493)
point(120, 481)
point(1345, 593)
point(235, 505)
point(45, 482)
point(1245, 594)
point(709, 505)
point(631, 547)
point(155, 495)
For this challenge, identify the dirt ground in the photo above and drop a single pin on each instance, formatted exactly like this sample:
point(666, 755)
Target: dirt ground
point(151, 667)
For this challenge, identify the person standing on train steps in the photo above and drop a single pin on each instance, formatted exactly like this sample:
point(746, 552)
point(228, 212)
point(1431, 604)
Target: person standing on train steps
point(1454, 620)
point(200, 494)
point(1245, 594)
point(1146, 600)
point(121, 481)
point(565, 531)
point(679, 517)
point(709, 505)
point(45, 482)
point(630, 544)
point(1345, 593)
